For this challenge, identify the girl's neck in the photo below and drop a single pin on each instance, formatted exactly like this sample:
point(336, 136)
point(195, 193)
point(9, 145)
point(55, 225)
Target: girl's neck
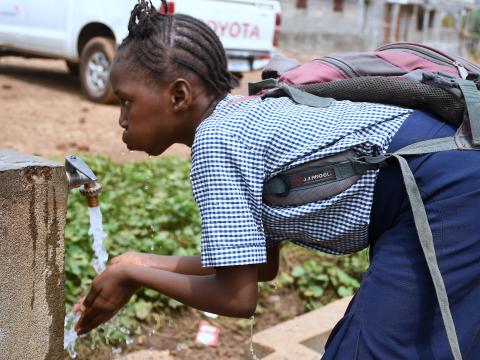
point(206, 107)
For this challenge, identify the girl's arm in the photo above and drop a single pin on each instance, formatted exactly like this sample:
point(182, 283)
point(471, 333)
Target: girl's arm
point(231, 291)
point(191, 265)
point(187, 265)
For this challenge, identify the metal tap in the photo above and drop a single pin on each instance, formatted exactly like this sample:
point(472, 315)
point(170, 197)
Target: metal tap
point(80, 175)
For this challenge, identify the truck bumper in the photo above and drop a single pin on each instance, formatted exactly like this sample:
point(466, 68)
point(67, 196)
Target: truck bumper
point(244, 61)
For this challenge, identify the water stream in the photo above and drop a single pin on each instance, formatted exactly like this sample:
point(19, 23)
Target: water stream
point(100, 259)
point(70, 335)
point(99, 263)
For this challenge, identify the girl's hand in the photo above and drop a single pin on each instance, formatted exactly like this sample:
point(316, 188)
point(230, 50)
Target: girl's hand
point(132, 258)
point(110, 291)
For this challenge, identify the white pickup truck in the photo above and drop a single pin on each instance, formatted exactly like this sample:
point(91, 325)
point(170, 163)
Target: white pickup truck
point(86, 33)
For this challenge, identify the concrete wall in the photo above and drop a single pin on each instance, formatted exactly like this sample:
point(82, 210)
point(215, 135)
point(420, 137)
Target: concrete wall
point(33, 200)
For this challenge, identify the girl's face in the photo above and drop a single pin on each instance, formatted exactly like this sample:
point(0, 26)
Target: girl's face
point(154, 117)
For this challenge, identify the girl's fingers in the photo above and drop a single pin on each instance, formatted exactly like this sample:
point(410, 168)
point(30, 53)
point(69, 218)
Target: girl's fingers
point(90, 298)
point(91, 323)
point(79, 307)
point(93, 316)
point(87, 317)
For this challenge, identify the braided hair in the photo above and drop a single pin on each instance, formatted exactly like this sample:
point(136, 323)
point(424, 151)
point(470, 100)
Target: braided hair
point(159, 40)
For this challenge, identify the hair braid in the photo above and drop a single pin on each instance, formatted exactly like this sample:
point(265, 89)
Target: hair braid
point(198, 25)
point(160, 40)
point(196, 69)
point(206, 43)
point(208, 39)
point(186, 44)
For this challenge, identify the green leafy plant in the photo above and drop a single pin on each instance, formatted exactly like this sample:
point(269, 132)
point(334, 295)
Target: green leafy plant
point(323, 273)
point(148, 207)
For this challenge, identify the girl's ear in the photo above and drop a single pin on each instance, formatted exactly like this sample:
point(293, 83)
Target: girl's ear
point(181, 95)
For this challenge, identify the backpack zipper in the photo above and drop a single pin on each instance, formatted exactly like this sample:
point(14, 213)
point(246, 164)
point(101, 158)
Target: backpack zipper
point(342, 65)
point(435, 57)
point(461, 70)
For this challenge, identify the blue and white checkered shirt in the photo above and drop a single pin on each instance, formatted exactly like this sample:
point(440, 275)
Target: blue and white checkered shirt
point(248, 140)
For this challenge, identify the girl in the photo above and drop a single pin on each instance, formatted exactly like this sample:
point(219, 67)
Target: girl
point(170, 75)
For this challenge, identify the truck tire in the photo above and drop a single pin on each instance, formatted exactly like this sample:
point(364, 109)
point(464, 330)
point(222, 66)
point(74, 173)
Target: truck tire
point(95, 63)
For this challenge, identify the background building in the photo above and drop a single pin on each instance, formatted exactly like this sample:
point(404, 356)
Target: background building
point(350, 25)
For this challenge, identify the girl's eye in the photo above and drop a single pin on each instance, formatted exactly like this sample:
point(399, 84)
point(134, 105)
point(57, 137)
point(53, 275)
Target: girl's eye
point(125, 103)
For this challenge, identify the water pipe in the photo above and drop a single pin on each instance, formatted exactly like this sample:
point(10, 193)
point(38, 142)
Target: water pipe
point(79, 175)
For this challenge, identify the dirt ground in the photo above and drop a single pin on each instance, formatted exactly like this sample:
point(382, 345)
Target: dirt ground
point(42, 111)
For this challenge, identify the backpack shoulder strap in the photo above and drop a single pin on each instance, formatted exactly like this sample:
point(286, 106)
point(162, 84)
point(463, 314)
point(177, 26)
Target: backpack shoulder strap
point(430, 146)
point(471, 95)
point(298, 96)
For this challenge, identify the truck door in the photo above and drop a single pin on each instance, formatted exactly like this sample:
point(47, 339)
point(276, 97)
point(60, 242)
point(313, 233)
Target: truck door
point(47, 26)
point(12, 23)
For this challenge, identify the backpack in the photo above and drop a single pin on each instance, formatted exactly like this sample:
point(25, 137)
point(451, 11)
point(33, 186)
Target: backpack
point(403, 74)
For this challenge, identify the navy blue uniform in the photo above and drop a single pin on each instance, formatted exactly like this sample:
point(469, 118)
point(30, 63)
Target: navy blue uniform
point(395, 314)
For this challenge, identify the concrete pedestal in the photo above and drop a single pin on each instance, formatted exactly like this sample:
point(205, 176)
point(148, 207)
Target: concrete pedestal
point(33, 202)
